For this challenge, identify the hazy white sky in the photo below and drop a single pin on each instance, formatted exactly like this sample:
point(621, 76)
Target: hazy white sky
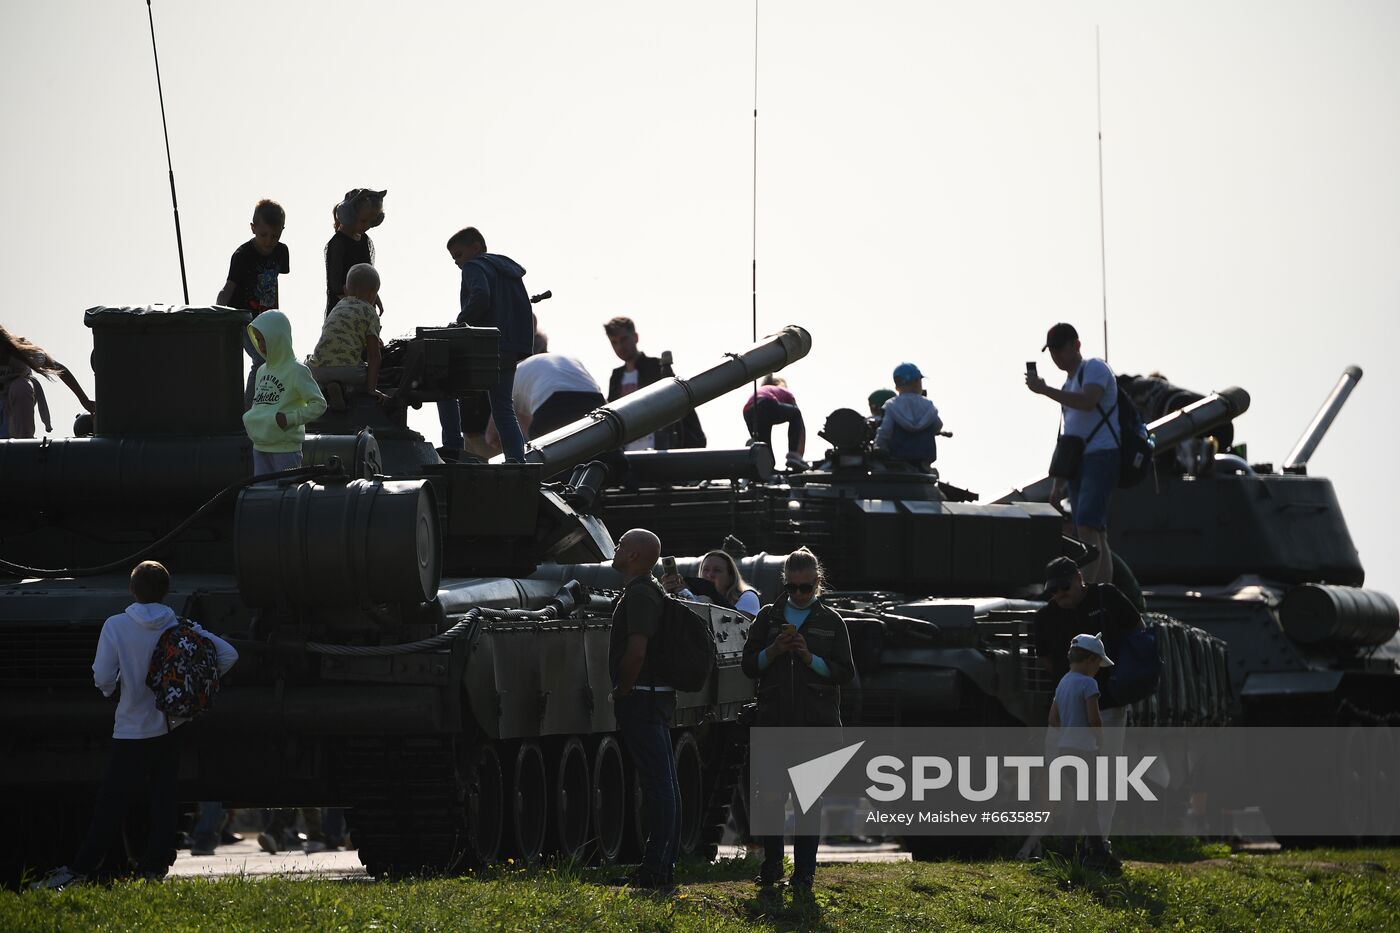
point(927, 189)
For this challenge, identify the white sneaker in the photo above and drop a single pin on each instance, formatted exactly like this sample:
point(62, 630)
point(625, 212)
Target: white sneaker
point(58, 879)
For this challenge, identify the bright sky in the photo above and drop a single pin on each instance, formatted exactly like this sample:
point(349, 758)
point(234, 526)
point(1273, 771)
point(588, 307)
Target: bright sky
point(927, 189)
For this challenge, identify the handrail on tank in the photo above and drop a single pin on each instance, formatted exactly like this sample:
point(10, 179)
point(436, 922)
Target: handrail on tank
point(1297, 461)
point(664, 402)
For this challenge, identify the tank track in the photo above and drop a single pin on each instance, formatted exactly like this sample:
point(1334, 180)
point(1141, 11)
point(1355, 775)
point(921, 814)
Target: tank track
point(408, 796)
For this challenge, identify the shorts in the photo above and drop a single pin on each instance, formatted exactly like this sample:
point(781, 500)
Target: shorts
point(1090, 490)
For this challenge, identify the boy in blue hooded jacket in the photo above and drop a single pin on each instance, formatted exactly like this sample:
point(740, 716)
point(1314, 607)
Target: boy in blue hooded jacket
point(493, 295)
point(285, 397)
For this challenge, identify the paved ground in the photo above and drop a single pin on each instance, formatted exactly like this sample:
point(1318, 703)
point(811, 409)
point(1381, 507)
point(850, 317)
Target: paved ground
point(245, 858)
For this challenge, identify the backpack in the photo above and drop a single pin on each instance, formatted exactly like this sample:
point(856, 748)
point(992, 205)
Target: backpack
point(1135, 446)
point(1137, 669)
point(184, 672)
point(684, 647)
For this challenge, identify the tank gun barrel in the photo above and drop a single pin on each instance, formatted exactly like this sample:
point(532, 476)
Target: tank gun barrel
point(1166, 432)
point(1302, 452)
point(616, 424)
point(1198, 417)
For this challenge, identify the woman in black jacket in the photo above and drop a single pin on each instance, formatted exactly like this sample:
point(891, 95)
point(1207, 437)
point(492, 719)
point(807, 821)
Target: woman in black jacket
point(800, 653)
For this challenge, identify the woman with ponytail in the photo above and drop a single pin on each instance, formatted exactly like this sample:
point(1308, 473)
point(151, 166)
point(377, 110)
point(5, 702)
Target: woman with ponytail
point(799, 651)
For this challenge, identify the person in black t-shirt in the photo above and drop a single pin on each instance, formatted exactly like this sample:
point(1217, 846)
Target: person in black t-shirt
point(1073, 607)
point(351, 245)
point(252, 275)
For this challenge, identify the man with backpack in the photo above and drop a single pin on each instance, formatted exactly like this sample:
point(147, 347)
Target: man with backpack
point(1087, 457)
point(1074, 606)
point(145, 757)
point(644, 704)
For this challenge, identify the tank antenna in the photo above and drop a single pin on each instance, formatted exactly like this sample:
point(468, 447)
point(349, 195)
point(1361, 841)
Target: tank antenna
point(179, 242)
point(754, 230)
point(1103, 251)
point(753, 254)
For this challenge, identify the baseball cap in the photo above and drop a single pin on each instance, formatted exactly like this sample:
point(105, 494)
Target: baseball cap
point(1093, 644)
point(879, 397)
point(906, 372)
point(1059, 335)
point(1058, 572)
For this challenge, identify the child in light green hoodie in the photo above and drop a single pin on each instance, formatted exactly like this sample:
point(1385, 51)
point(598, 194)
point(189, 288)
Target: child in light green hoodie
point(285, 397)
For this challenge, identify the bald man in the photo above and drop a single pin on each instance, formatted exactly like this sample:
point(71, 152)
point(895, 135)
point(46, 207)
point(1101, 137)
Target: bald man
point(644, 706)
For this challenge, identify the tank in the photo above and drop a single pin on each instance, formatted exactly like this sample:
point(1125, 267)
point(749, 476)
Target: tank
point(396, 655)
point(938, 587)
point(1262, 557)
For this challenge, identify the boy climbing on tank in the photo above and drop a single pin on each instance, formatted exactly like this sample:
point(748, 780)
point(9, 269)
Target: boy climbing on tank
point(286, 398)
point(252, 274)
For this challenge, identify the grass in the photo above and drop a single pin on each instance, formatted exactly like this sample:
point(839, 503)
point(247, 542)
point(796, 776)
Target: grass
point(1211, 890)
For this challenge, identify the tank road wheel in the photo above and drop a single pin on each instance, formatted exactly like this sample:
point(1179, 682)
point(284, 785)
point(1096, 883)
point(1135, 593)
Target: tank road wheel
point(485, 805)
point(609, 786)
point(571, 799)
point(529, 803)
point(692, 803)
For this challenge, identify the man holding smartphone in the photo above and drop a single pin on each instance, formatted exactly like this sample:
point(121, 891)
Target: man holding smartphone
point(1088, 405)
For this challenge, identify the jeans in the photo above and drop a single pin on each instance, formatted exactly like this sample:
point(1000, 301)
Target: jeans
point(264, 463)
point(454, 415)
point(766, 412)
point(804, 843)
point(210, 822)
point(644, 719)
point(258, 360)
point(1089, 492)
point(138, 767)
point(503, 410)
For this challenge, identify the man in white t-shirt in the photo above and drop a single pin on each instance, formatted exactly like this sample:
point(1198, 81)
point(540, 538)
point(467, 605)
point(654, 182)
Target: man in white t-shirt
point(552, 390)
point(1089, 409)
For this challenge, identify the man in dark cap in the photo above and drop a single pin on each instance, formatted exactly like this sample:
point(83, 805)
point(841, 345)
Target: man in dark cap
point(1073, 607)
point(1089, 413)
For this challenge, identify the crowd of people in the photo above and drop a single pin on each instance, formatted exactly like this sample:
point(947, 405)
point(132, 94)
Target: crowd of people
point(797, 649)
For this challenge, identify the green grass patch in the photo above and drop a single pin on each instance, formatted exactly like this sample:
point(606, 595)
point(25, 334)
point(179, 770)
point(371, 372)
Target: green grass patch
point(1308, 890)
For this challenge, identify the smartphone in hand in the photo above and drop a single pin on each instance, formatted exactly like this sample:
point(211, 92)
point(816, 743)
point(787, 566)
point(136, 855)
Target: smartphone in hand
point(668, 566)
point(1030, 368)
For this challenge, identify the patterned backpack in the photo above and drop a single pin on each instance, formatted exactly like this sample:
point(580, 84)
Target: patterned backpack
point(184, 672)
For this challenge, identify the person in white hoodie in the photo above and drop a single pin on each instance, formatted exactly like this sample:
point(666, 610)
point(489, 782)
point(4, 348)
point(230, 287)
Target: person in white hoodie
point(145, 757)
point(910, 424)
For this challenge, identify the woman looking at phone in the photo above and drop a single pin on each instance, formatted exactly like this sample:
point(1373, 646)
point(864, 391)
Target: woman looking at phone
point(800, 653)
point(720, 571)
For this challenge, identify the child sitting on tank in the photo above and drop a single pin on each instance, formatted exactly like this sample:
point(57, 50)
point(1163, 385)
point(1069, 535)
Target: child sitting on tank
point(909, 423)
point(350, 334)
point(285, 398)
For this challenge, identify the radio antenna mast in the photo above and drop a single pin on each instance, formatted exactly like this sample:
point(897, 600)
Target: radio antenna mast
point(754, 231)
point(1103, 251)
point(179, 241)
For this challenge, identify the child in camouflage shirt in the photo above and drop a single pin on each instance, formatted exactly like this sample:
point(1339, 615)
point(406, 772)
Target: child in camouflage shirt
point(351, 330)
